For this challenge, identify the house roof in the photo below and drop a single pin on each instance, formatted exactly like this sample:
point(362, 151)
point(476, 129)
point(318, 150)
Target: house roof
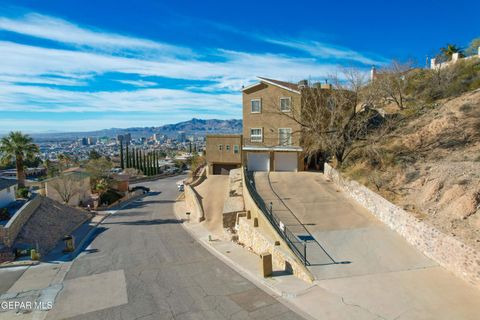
point(75, 174)
point(6, 183)
point(282, 84)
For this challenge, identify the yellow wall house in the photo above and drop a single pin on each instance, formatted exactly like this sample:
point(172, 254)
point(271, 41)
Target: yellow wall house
point(271, 139)
point(223, 153)
point(271, 136)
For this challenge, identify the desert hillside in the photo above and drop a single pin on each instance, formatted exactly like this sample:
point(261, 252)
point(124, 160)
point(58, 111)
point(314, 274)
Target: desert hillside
point(430, 165)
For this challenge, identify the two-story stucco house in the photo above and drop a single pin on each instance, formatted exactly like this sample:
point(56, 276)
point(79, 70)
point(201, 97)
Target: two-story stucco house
point(271, 135)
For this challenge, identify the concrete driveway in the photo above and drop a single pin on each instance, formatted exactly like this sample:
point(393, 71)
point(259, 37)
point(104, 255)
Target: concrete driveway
point(358, 258)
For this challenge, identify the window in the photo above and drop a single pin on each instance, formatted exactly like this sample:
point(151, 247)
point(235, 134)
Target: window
point(285, 136)
point(220, 147)
point(227, 147)
point(235, 148)
point(256, 105)
point(256, 135)
point(285, 104)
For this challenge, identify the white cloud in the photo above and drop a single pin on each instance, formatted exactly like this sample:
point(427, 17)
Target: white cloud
point(235, 67)
point(317, 49)
point(41, 99)
point(46, 27)
point(138, 83)
point(327, 51)
point(91, 53)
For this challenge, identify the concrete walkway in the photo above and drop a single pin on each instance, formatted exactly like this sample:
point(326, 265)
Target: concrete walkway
point(213, 191)
point(379, 271)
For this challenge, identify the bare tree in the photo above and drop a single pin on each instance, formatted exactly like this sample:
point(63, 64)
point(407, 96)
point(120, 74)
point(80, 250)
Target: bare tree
point(333, 119)
point(67, 186)
point(390, 83)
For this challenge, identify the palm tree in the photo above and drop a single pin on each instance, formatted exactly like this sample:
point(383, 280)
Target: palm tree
point(18, 147)
point(449, 50)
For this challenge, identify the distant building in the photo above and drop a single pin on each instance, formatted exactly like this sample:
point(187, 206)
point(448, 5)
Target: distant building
point(84, 142)
point(181, 136)
point(8, 188)
point(127, 138)
point(92, 141)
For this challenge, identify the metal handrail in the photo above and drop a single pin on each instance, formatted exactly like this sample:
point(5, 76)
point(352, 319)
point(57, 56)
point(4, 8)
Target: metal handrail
point(298, 246)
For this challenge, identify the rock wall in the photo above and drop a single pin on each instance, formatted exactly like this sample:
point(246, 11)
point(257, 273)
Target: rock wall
point(234, 199)
point(444, 249)
point(257, 241)
point(15, 224)
point(263, 238)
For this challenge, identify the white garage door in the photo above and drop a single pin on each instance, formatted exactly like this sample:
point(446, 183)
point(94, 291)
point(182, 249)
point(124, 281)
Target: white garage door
point(258, 161)
point(286, 161)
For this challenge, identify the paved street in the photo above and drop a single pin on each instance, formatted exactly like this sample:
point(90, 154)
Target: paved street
point(144, 265)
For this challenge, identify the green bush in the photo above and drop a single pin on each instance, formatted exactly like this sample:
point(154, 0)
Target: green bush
point(22, 193)
point(430, 85)
point(4, 214)
point(109, 197)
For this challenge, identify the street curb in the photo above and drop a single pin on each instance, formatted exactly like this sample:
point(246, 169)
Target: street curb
point(264, 285)
point(25, 264)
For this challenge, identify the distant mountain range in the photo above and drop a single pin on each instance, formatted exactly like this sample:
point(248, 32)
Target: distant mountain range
point(193, 126)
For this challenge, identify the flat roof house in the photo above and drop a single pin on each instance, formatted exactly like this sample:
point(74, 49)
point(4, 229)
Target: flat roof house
point(223, 153)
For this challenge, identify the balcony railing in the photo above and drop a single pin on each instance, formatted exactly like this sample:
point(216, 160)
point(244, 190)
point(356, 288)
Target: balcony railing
point(271, 142)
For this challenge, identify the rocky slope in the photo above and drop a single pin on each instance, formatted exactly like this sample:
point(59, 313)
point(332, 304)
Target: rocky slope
point(435, 171)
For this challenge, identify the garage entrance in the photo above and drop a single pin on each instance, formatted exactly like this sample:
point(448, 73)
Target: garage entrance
point(286, 161)
point(258, 161)
point(219, 168)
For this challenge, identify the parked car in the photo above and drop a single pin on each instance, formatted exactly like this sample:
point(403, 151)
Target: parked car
point(144, 189)
point(181, 187)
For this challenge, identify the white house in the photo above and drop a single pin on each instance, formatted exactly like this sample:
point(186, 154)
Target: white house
point(7, 191)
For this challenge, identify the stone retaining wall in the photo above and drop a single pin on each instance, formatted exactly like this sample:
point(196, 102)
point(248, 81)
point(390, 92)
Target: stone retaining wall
point(9, 232)
point(262, 238)
point(447, 251)
point(234, 199)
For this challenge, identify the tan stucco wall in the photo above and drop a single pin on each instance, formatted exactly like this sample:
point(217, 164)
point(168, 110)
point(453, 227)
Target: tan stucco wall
point(214, 155)
point(271, 118)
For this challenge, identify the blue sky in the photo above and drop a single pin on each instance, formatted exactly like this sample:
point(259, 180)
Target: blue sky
point(82, 65)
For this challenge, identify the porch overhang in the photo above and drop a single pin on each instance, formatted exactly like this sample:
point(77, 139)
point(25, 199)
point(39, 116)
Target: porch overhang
point(276, 148)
